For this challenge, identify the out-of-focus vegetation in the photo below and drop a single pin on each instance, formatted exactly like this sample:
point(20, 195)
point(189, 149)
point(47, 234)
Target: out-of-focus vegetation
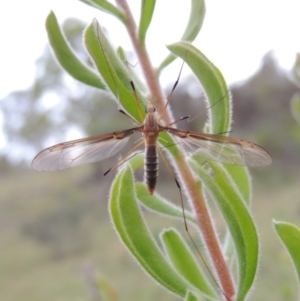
point(54, 225)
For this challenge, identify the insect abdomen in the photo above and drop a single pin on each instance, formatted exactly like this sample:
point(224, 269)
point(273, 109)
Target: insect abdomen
point(151, 167)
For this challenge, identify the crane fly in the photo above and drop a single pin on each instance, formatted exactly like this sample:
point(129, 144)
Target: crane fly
point(210, 147)
point(96, 148)
point(100, 147)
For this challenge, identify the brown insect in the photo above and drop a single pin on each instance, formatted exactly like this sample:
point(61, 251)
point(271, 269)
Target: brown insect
point(210, 147)
point(96, 148)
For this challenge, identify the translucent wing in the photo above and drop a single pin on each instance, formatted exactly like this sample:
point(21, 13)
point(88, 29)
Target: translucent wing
point(81, 151)
point(223, 149)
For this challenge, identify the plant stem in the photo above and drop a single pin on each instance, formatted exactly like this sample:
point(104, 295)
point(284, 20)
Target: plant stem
point(144, 59)
point(186, 175)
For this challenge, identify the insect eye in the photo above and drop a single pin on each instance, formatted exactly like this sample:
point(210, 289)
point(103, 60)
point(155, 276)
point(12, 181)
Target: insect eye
point(154, 110)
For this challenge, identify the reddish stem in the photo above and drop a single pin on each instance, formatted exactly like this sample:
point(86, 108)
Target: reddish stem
point(185, 172)
point(149, 74)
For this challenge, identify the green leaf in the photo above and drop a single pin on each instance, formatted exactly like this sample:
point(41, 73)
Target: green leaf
point(230, 185)
point(240, 179)
point(193, 27)
point(112, 70)
point(295, 107)
point(296, 67)
point(136, 79)
point(192, 297)
point(290, 237)
point(155, 202)
point(213, 84)
point(66, 57)
point(133, 231)
point(106, 7)
point(147, 10)
point(184, 262)
point(238, 219)
point(136, 160)
point(158, 204)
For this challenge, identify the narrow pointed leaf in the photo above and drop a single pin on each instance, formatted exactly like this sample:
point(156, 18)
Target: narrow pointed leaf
point(238, 219)
point(137, 160)
point(159, 204)
point(184, 261)
point(191, 297)
point(290, 237)
point(155, 202)
point(133, 231)
point(67, 58)
point(112, 69)
point(147, 10)
point(106, 6)
point(135, 78)
point(213, 83)
point(193, 27)
point(240, 179)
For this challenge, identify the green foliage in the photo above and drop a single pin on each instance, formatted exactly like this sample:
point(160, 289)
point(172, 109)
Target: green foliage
point(67, 58)
point(240, 223)
point(213, 84)
point(145, 19)
point(290, 237)
point(184, 262)
point(132, 229)
point(158, 204)
point(173, 266)
point(106, 7)
point(111, 68)
point(192, 29)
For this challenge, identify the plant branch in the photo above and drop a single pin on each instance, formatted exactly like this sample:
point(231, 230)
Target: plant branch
point(187, 178)
point(149, 74)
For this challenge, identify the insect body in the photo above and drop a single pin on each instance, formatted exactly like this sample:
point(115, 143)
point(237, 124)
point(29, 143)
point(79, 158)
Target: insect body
point(150, 130)
point(209, 146)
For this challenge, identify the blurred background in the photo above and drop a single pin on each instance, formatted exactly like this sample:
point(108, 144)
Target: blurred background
point(55, 230)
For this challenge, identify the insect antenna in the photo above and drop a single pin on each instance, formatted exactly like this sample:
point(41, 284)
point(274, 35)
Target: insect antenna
point(179, 120)
point(173, 89)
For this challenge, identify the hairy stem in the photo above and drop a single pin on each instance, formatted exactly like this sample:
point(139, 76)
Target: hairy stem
point(144, 59)
point(187, 178)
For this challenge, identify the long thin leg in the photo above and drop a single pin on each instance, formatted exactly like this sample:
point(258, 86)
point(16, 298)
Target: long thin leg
point(185, 222)
point(124, 158)
point(123, 112)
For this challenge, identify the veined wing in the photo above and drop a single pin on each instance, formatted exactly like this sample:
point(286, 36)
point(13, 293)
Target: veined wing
point(223, 149)
point(77, 152)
